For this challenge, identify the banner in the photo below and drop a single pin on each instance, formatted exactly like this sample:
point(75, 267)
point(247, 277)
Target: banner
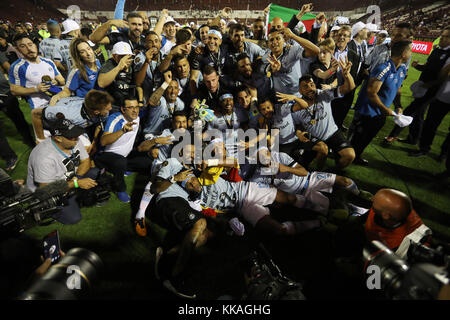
point(422, 47)
point(286, 15)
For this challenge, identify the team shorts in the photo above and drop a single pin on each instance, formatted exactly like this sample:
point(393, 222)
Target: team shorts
point(255, 202)
point(338, 142)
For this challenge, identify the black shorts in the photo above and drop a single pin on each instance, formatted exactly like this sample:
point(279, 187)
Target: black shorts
point(337, 142)
point(176, 213)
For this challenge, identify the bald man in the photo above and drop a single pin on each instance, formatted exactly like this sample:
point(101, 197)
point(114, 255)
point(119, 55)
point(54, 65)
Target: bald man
point(393, 221)
point(277, 23)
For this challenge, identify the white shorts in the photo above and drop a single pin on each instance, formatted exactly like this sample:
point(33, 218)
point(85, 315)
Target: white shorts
point(253, 207)
point(319, 182)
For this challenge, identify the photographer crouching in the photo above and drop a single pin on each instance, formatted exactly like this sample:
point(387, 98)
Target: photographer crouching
point(62, 157)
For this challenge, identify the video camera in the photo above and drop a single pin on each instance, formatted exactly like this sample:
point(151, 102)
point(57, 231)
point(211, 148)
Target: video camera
point(419, 278)
point(266, 282)
point(21, 209)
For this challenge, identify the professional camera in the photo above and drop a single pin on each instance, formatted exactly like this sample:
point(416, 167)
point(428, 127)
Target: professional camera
point(70, 279)
point(99, 194)
point(266, 282)
point(20, 209)
point(403, 280)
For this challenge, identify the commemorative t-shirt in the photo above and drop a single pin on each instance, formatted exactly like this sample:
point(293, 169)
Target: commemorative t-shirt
point(223, 195)
point(49, 48)
point(282, 120)
point(47, 164)
point(318, 118)
point(160, 117)
point(285, 181)
point(229, 125)
point(170, 168)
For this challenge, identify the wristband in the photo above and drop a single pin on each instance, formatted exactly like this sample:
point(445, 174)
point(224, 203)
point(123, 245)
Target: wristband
point(213, 162)
point(75, 183)
point(172, 179)
point(164, 85)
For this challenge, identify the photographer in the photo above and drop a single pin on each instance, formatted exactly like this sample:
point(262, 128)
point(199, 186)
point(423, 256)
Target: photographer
point(390, 220)
point(62, 157)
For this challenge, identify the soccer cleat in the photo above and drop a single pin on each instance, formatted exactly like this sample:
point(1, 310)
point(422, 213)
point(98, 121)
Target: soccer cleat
point(123, 196)
point(11, 164)
point(140, 227)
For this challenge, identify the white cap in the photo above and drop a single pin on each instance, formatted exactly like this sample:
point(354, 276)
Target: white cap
point(335, 28)
point(122, 48)
point(383, 32)
point(70, 25)
point(357, 27)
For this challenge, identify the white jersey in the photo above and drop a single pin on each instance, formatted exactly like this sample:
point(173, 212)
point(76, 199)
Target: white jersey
point(29, 75)
point(124, 144)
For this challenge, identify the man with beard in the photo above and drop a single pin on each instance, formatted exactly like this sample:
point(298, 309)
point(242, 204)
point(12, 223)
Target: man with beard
point(25, 75)
point(315, 117)
point(210, 89)
point(133, 36)
point(162, 107)
point(239, 45)
point(258, 29)
point(149, 78)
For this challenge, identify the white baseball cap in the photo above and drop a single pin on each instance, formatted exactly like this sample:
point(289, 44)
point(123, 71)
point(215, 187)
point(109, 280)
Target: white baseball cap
point(357, 27)
point(70, 25)
point(122, 48)
point(372, 27)
point(383, 32)
point(335, 28)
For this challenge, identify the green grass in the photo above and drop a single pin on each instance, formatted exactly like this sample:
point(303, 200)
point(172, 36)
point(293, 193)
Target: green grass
point(128, 258)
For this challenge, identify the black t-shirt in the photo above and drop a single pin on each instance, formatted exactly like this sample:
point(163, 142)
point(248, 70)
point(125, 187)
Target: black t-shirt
point(121, 85)
point(318, 81)
point(115, 37)
point(4, 84)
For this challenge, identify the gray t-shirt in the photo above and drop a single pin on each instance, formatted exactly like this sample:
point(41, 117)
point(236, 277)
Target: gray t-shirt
point(287, 182)
point(160, 117)
point(47, 163)
point(49, 48)
point(286, 80)
point(318, 118)
point(224, 195)
point(172, 168)
point(282, 120)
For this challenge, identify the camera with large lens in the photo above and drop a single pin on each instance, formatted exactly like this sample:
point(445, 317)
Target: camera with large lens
point(265, 280)
point(21, 209)
point(99, 194)
point(72, 278)
point(416, 279)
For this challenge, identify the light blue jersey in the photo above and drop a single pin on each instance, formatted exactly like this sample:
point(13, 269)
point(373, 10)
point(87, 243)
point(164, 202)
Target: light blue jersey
point(224, 195)
point(48, 48)
point(172, 168)
point(282, 120)
point(318, 118)
point(286, 80)
point(160, 117)
point(287, 182)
